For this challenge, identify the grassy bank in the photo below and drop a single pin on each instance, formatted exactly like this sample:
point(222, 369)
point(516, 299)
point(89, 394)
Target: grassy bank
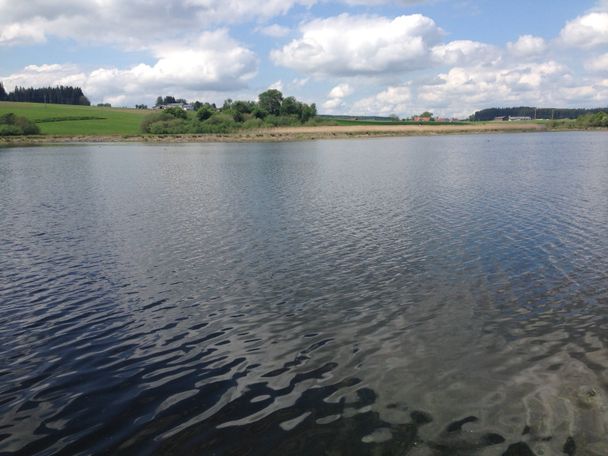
point(68, 120)
point(64, 123)
point(302, 133)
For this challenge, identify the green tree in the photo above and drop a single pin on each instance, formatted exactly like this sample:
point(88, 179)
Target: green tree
point(204, 112)
point(177, 112)
point(270, 101)
point(3, 95)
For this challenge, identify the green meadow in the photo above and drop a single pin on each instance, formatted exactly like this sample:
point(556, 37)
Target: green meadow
point(69, 120)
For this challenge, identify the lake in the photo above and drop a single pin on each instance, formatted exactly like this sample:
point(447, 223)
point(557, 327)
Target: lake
point(422, 296)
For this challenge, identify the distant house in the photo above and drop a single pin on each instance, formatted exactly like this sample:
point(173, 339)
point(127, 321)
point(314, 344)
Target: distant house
point(421, 119)
point(184, 106)
point(501, 118)
point(519, 118)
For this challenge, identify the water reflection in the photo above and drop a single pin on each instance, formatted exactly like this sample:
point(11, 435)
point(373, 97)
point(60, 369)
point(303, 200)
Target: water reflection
point(424, 296)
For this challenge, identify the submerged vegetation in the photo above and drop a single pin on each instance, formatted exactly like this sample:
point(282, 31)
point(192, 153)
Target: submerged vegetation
point(13, 125)
point(270, 110)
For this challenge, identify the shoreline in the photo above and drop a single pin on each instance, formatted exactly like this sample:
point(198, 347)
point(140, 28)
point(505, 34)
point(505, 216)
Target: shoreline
point(284, 134)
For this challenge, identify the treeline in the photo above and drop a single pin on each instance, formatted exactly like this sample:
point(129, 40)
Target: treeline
point(270, 110)
point(56, 95)
point(598, 119)
point(13, 125)
point(534, 113)
point(169, 100)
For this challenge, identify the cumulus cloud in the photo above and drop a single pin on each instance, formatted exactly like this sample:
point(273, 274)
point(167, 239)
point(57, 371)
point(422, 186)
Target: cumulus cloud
point(463, 51)
point(527, 46)
point(341, 91)
point(336, 97)
point(348, 45)
point(586, 31)
point(22, 33)
point(463, 89)
point(213, 62)
point(599, 64)
point(127, 23)
point(44, 75)
point(392, 100)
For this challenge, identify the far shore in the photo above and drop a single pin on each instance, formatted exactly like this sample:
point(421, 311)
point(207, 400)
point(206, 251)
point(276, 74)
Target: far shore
point(292, 134)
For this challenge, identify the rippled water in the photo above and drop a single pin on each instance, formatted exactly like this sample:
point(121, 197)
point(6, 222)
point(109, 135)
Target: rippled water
point(419, 296)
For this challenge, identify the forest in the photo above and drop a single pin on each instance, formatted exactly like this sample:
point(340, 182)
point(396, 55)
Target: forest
point(53, 95)
point(534, 113)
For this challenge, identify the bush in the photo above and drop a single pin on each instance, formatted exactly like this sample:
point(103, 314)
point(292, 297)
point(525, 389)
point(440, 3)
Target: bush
point(599, 119)
point(170, 127)
point(155, 117)
point(281, 121)
point(204, 113)
point(10, 130)
point(253, 123)
point(12, 125)
point(176, 112)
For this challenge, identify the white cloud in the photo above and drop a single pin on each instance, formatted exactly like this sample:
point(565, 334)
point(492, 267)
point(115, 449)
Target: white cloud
point(599, 63)
point(341, 91)
point(213, 62)
point(274, 30)
point(527, 46)
point(586, 31)
point(348, 45)
point(392, 100)
point(132, 24)
point(462, 90)
point(21, 33)
point(331, 105)
point(278, 85)
point(336, 97)
point(45, 75)
point(464, 51)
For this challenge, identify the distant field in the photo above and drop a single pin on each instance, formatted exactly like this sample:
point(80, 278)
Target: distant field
point(60, 119)
point(392, 123)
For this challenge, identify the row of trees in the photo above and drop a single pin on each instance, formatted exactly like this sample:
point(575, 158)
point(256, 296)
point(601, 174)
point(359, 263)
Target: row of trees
point(57, 95)
point(535, 113)
point(160, 101)
point(271, 109)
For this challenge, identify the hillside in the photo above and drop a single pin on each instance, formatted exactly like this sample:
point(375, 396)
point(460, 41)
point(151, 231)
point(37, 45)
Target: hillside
point(68, 120)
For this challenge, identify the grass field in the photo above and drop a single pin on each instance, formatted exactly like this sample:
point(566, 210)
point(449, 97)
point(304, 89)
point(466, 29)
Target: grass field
point(59, 119)
point(344, 122)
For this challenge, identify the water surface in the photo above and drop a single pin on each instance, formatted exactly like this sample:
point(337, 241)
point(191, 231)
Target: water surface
point(419, 296)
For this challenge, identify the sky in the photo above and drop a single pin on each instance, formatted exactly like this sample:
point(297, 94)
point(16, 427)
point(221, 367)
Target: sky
point(354, 57)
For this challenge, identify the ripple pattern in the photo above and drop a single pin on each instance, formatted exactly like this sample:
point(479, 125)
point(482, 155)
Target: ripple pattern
point(411, 296)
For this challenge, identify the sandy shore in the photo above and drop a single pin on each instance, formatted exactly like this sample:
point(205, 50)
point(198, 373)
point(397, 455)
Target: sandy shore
point(291, 134)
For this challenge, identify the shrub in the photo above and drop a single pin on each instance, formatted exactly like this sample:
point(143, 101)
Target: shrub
point(12, 125)
point(253, 123)
point(281, 121)
point(176, 112)
point(204, 113)
point(9, 130)
point(153, 118)
point(170, 127)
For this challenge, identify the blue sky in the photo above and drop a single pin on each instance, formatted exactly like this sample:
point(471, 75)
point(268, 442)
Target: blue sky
point(348, 56)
